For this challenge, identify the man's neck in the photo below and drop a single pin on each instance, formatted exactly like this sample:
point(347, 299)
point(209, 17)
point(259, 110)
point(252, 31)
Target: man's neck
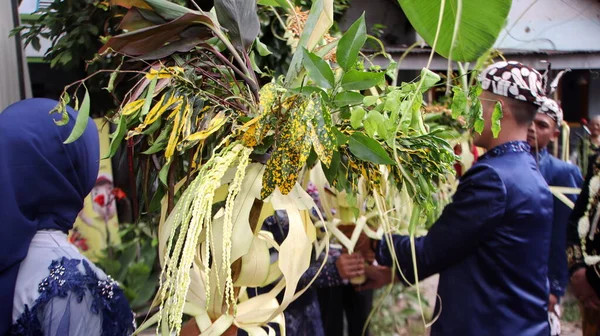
point(504, 138)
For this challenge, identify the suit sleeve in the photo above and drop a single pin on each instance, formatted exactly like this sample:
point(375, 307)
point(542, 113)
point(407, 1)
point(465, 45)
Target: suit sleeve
point(477, 208)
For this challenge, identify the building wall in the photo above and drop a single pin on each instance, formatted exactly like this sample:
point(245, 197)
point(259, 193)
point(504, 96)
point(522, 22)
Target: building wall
point(566, 25)
point(13, 68)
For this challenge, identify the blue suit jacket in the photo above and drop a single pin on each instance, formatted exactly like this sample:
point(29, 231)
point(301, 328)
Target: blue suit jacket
point(490, 246)
point(560, 174)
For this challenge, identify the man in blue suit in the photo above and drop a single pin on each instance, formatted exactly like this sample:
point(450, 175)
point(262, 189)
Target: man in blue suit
point(491, 244)
point(557, 173)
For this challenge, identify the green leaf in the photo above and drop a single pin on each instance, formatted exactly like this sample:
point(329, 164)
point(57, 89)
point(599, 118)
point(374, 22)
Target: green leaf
point(137, 275)
point(346, 98)
point(358, 113)
point(83, 116)
point(318, 70)
point(262, 48)
point(332, 170)
point(370, 100)
point(35, 43)
point(240, 18)
point(373, 124)
point(459, 102)
point(477, 111)
point(312, 159)
point(475, 90)
point(429, 79)
point(368, 149)
point(496, 117)
point(308, 90)
point(359, 80)
point(253, 63)
point(342, 139)
point(351, 43)
point(161, 141)
point(155, 202)
point(164, 172)
point(275, 3)
point(125, 260)
point(149, 95)
point(117, 137)
point(320, 19)
point(145, 292)
point(480, 25)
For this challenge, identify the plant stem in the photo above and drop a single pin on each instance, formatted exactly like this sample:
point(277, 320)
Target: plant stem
point(253, 85)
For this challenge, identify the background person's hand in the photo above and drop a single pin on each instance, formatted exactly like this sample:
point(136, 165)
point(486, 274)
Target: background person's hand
point(377, 277)
point(552, 301)
point(350, 265)
point(583, 291)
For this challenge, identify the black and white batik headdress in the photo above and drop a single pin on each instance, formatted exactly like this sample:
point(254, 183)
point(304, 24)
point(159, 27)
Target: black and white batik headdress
point(518, 81)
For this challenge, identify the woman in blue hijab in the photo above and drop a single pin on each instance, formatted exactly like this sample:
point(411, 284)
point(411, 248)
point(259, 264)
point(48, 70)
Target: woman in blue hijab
point(46, 286)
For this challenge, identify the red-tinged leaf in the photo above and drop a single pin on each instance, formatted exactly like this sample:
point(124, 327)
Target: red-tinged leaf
point(143, 41)
point(134, 20)
point(130, 3)
point(183, 45)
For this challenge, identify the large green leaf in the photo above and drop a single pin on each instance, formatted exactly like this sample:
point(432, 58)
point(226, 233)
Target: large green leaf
point(360, 80)
point(240, 18)
point(275, 3)
point(368, 149)
point(351, 43)
point(479, 25)
point(318, 70)
point(346, 98)
point(320, 19)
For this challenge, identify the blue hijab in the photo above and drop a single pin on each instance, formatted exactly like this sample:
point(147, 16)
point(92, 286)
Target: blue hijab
point(43, 183)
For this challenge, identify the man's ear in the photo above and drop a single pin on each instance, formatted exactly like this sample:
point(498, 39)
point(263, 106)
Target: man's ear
point(555, 135)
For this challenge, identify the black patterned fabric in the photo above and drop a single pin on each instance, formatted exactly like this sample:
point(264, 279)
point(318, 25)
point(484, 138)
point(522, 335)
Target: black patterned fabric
point(517, 81)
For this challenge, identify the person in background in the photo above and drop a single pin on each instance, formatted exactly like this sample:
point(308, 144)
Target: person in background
point(557, 173)
point(589, 145)
point(303, 315)
point(583, 249)
point(491, 244)
point(46, 286)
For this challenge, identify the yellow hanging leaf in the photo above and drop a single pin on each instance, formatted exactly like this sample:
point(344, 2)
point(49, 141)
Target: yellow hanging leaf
point(214, 125)
point(132, 107)
point(174, 134)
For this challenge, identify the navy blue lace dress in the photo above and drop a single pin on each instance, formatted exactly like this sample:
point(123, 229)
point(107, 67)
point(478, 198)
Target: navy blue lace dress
point(60, 293)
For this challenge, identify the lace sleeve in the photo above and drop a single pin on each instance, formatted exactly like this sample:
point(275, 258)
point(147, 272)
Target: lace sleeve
point(72, 302)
